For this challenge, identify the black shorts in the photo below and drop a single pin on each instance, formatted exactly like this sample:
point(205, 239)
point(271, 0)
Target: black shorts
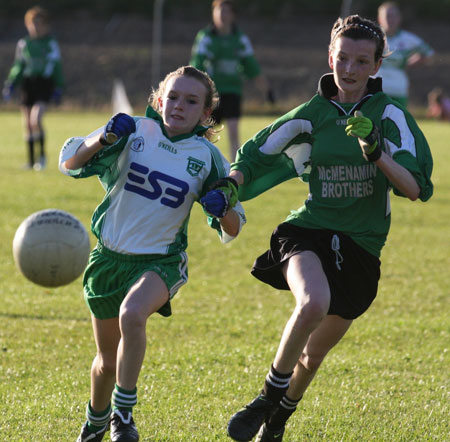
point(229, 107)
point(352, 272)
point(36, 89)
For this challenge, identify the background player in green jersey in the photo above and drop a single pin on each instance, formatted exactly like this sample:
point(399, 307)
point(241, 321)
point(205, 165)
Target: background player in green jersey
point(352, 144)
point(37, 70)
point(407, 51)
point(153, 169)
point(227, 55)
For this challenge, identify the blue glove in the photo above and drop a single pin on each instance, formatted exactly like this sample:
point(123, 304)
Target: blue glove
point(120, 125)
point(215, 203)
point(7, 91)
point(57, 95)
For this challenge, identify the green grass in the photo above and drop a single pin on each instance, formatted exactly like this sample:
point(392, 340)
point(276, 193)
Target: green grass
point(387, 381)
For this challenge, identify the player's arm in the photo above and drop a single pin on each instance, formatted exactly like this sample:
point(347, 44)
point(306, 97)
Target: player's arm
point(400, 177)
point(120, 125)
point(230, 223)
point(238, 176)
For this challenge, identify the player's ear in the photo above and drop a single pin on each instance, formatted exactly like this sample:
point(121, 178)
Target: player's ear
point(330, 60)
point(377, 66)
point(207, 111)
point(160, 104)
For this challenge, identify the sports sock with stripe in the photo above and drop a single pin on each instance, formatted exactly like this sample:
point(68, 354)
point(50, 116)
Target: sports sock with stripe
point(97, 420)
point(283, 413)
point(276, 384)
point(124, 399)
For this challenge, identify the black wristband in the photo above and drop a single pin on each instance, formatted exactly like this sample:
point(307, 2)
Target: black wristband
point(220, 182)
point(375, 155)
point(102, 141)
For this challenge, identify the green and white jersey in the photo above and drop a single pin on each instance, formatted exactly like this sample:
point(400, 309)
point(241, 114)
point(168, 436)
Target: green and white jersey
point(37, 57)
point(151, 182)
point(228, 59)
point(346, 193)
point(393, 69)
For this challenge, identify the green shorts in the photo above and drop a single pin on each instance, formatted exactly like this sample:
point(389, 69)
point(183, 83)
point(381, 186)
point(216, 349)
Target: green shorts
point(110, 275)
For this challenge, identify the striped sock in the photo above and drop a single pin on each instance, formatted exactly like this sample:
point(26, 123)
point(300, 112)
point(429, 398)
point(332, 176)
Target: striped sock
point(124, 399)
point(97, 420)
point(283, 413)
point(276, 384)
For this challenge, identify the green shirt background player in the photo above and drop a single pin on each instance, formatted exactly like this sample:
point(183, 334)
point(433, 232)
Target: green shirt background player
point(37, 70)
point(352, 143)
point(226, 54)
point(407, 51)
point(153, 169)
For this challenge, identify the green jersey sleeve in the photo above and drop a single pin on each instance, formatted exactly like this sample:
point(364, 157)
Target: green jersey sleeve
point(407, 145)
point(276, 154)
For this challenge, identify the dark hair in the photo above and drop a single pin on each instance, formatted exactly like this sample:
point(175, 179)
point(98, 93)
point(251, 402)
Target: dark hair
point(359, 28)
point(211, 98)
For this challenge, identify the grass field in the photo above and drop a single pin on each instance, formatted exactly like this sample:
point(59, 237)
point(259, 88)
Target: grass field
point(388, 380)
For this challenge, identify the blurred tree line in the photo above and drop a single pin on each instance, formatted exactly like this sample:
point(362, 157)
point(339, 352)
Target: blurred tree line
point(432, 9)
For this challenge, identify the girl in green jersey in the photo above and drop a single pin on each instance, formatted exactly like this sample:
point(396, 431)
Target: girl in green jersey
point(352, 143)
point(37, 70)
point(227, 55)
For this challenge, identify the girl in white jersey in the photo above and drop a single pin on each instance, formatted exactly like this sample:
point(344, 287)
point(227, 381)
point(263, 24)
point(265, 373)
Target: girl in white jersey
point(407, 51)
point(153, 169)
point(327, 252)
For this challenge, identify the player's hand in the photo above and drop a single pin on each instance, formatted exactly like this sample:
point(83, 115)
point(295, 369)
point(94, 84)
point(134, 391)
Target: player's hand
point(229, 187)
point(223, 196)
point(120, 125)
point(367, 133)
point(215, 203)
point(56, 96)
point(7, 92)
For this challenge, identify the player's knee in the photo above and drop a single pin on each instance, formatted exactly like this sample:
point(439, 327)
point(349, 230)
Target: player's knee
point(105, 365)
point(311, 361)
point(131, 319)
point(312, 310)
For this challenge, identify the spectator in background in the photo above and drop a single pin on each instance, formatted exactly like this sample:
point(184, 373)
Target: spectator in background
point(226, 54)
point(37, 70)
point(407, 50)
point(438, 104)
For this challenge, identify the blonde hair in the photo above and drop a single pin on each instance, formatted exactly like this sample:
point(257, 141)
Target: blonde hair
point(211, 98)
point(36, 12)
point(230, 3)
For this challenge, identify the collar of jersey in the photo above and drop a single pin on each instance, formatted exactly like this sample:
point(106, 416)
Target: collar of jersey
point(327, 89)
point(198, 130)
point(327, 86)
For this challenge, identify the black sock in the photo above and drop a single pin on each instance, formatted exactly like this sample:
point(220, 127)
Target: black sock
point(41, 140)
point(276, 384)
point(282, 413)
point(30, 143)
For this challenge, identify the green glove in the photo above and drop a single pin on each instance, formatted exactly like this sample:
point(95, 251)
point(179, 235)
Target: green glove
point(229, 187)
point(367, 133)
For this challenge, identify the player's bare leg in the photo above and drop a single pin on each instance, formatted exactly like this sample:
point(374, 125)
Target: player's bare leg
point(28, 135)
point(308, 283)
point(36, 116)
point(147, 296)
point(233, 136)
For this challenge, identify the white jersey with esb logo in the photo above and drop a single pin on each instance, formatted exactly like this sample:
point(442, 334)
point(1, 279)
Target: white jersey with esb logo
point(151, 182)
